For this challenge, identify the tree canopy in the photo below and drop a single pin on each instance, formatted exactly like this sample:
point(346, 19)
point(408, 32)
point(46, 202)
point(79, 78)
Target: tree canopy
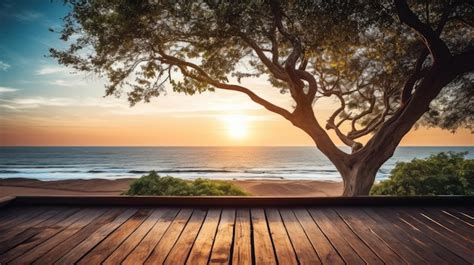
point(387, 64)
point(359, 53)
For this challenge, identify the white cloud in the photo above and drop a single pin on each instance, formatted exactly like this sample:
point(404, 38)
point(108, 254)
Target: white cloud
point(4, 66)
point(37, 102)
point(47, 70)
point(60, 82)
point(7, 89)
point(27, 15)
point(28, 103)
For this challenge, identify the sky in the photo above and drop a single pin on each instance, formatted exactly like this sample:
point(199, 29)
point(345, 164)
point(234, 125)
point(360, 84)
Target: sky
point(45, 104)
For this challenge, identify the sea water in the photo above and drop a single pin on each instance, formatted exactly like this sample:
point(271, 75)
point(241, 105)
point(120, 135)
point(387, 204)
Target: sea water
point(302, 163)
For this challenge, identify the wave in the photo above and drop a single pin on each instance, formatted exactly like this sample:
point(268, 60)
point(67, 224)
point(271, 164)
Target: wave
point(96, 171)
point(32, 170)
point(196, 171)
point(9, 172)
point(7, 165)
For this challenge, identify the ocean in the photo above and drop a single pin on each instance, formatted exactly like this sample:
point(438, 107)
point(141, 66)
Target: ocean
point(302, 163)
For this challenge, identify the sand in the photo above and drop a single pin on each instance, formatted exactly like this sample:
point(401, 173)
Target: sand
point(116, 187)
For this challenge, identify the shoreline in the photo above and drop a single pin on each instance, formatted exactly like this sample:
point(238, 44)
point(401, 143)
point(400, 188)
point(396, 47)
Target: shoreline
point(277, 187)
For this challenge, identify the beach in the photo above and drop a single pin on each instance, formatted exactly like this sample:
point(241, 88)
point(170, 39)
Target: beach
point(21, 186)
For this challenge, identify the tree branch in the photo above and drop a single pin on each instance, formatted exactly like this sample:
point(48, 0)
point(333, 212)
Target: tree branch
point(464, 62)
point(433, 42)
point(313, 86)
point(290, 64)
point(276, 69)
point(373, 124)
point(204, 77)
point(363, 113)
point(332, 125)
point(417, 72)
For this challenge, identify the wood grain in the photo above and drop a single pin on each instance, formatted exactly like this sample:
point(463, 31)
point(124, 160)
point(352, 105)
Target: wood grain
point(54, 234)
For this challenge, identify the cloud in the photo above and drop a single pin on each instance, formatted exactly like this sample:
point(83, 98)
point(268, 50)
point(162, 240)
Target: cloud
point(60, 82)
point(37, 102)
point(27, 15)
point(7, 89)
point(47, 70)
point(4, 66)
point(28, 103)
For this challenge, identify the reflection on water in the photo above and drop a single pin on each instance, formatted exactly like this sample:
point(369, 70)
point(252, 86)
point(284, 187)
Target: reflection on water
point(53, 163)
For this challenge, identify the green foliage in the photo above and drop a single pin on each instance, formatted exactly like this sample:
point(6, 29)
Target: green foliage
point(153, 184)
point(440, 174)
point(144, 47)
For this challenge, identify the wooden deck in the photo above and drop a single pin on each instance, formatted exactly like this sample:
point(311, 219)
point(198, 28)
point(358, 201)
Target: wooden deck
point(134, 234)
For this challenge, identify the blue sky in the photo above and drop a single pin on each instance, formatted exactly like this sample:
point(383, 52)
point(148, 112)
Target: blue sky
point(25, 41)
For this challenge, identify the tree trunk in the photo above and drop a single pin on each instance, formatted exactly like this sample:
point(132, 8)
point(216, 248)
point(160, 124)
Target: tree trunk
point(359, 180)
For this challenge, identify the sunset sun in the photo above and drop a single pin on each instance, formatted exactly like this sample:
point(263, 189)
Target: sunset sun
point(236, 126)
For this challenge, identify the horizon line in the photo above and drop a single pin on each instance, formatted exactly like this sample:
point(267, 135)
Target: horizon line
point(187, 146)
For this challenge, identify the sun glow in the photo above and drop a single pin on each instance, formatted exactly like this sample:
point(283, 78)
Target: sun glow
point(236, 126)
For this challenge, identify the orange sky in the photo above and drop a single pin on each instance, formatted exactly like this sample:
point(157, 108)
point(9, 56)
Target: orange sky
point(191, 132)
point(172, 120)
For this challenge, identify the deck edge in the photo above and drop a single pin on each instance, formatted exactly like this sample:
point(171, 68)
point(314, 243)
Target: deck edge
point(231, 201)
point(6, 200)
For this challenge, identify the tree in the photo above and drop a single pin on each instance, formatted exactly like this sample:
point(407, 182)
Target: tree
point(440, 174)
point(388, 64)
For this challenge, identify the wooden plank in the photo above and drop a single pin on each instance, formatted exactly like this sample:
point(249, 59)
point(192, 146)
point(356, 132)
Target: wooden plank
point(462, 227)
point(283, 248)
point(6, 200)
point(135, 238)
point(419, 232)
point(347, 234)
point(84, 217)
point(166, 243)
point(90, 242)
point(7, 235)
point(262, 243)
point(242, 253)
point(8, 213)
point(355, 220)
point(412, 242)
point(180, 251)
point(433, 231)
point(467, 211)
point(16, 235)
point(201, 250)
point(42, 232)
point(445, 226)
point(108, 245)
point(221, 250)
point(332, 233)
point(326, 252)
point(304, 250)
point(107, 216)
point(22, 216)
point(439, 250)
point(390, 236)
point(457, 213)
point(146, 246)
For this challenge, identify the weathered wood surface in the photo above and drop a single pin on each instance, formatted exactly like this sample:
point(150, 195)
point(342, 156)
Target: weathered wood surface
point(240, 235)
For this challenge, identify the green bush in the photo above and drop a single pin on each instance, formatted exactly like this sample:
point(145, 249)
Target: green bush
point(440, 174)
point(153, 184)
